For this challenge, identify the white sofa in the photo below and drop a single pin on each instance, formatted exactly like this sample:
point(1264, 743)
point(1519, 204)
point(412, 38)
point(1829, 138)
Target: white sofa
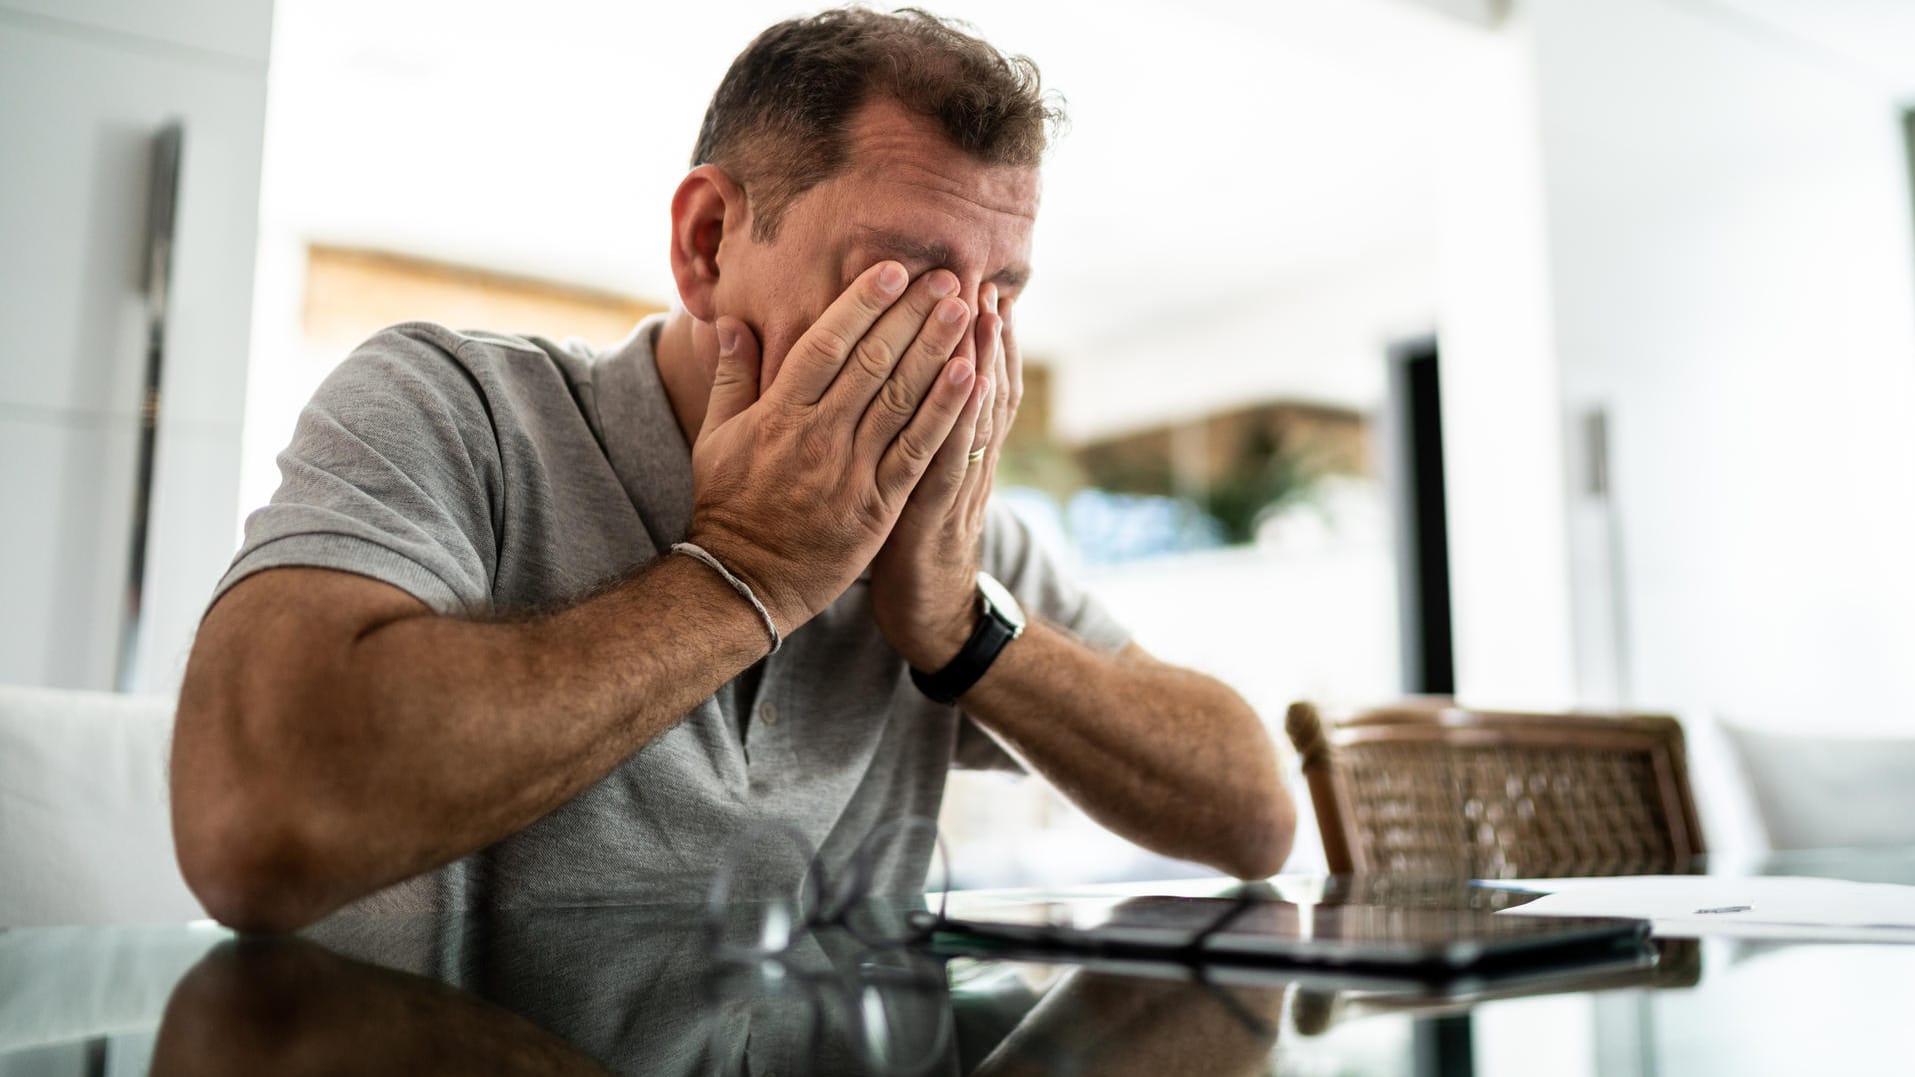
point(86, 836)
point(1828, 789)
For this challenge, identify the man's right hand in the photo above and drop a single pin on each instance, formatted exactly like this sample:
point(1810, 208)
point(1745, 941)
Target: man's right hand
point(335, 736)
point(795, 491)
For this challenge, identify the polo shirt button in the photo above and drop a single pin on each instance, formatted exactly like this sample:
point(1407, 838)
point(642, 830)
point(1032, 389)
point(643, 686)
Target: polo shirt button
point(769, 714)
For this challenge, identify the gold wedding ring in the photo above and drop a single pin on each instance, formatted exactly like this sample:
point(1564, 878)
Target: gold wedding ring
point(976, 455)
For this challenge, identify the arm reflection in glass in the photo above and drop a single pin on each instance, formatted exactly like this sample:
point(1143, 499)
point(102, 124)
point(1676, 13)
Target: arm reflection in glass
point(585, 992)
point(1093, 1022)
point(286, 1005)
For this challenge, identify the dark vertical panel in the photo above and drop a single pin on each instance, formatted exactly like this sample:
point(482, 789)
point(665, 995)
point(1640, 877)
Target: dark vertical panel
point(1908, 145)
point(1422, 508)
point(1438, 670)
point(1443, 1047)
point(162, 208)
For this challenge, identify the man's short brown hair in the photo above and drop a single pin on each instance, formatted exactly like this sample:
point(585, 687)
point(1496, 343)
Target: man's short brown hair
point(780, 121)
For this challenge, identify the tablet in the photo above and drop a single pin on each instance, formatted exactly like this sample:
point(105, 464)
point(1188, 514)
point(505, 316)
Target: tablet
point(1355, 938)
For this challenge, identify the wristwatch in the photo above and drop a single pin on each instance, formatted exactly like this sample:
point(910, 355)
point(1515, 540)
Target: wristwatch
point(1000, 620)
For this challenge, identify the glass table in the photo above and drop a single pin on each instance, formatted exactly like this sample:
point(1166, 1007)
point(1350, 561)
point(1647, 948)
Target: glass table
point(635, 990)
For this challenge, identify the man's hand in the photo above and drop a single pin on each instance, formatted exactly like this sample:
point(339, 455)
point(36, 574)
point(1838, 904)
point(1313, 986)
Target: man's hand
point(796, 490)
point(924, 582)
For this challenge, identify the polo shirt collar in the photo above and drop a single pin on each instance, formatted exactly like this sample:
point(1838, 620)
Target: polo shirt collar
point(641, 436)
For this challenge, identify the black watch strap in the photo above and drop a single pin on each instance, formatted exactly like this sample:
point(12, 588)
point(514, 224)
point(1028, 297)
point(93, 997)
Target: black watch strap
point(973, 659)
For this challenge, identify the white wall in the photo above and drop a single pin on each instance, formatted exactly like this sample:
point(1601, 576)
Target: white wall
point(1322, 339)
point(1313, 619)
point(83, 85)
point(1730, 253)
point(1502, 434)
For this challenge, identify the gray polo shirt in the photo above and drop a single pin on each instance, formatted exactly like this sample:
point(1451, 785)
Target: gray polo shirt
point(487, 474)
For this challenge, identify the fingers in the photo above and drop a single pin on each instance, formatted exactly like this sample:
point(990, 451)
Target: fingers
point(952, 403)
point(990, 361)
point(952, 468)
point(986, 339)
point(987, 413)
point(997, 350)
point(896, 400)
point(735, 385)
point(1003, 379)
point(1013, 358)
point(922, 330)
point(820, 354)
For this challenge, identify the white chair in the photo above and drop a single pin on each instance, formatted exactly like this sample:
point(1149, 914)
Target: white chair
point(86, 836)
point(1829, 790)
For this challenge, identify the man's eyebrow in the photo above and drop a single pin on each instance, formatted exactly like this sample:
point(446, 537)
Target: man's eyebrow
point(927, 253)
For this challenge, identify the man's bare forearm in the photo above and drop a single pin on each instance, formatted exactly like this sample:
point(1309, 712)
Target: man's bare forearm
point(1164, 756)
point(387, 741)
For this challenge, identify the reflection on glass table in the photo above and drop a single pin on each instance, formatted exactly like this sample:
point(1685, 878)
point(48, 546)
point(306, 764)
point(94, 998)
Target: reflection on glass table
point(635, 990)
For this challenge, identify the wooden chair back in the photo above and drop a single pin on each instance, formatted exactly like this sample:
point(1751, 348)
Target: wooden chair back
point(1434, 790)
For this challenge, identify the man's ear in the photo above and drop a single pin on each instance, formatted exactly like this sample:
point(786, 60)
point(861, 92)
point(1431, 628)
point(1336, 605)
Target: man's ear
point(707, 206)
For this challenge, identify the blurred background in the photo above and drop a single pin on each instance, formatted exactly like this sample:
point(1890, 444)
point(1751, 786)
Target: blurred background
point(1547, 352)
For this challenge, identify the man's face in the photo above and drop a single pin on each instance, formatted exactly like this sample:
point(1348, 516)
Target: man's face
point(908, 195)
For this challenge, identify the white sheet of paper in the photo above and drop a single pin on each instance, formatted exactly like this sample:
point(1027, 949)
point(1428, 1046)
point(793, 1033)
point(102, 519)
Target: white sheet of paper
point(1769, 907)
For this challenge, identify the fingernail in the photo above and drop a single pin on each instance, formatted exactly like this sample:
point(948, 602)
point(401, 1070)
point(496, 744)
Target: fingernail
point(961, 373)
point(727, 339)
point(949, 311)
point(891, 278)
point(943, 283)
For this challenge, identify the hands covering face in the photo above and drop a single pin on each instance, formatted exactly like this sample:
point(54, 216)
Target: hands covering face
point(924, 581)
point(876, 444)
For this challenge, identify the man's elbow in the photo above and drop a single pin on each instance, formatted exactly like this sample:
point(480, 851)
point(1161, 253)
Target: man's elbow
point(1264, 839)
point(1263, 857)
point(247, 866)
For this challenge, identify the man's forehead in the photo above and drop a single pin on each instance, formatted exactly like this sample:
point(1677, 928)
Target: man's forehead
point(910, 194)
point(893, 148)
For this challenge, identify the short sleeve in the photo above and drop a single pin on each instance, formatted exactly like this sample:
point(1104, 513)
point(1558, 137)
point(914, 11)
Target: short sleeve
point(1013, 555)
point(393, 473)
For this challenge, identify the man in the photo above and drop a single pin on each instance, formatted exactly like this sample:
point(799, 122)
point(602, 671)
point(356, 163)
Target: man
point(524, 626)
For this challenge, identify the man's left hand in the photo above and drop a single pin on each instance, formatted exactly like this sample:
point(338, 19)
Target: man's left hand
point(924, 580)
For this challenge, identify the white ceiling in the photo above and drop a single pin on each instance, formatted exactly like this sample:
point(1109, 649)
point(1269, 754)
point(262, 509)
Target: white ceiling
point(1873, 40)
point(1219, 149)
point(1216, 147)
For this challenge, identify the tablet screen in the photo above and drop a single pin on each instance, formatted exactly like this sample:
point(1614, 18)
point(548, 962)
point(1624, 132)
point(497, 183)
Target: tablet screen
point(1341, 934)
